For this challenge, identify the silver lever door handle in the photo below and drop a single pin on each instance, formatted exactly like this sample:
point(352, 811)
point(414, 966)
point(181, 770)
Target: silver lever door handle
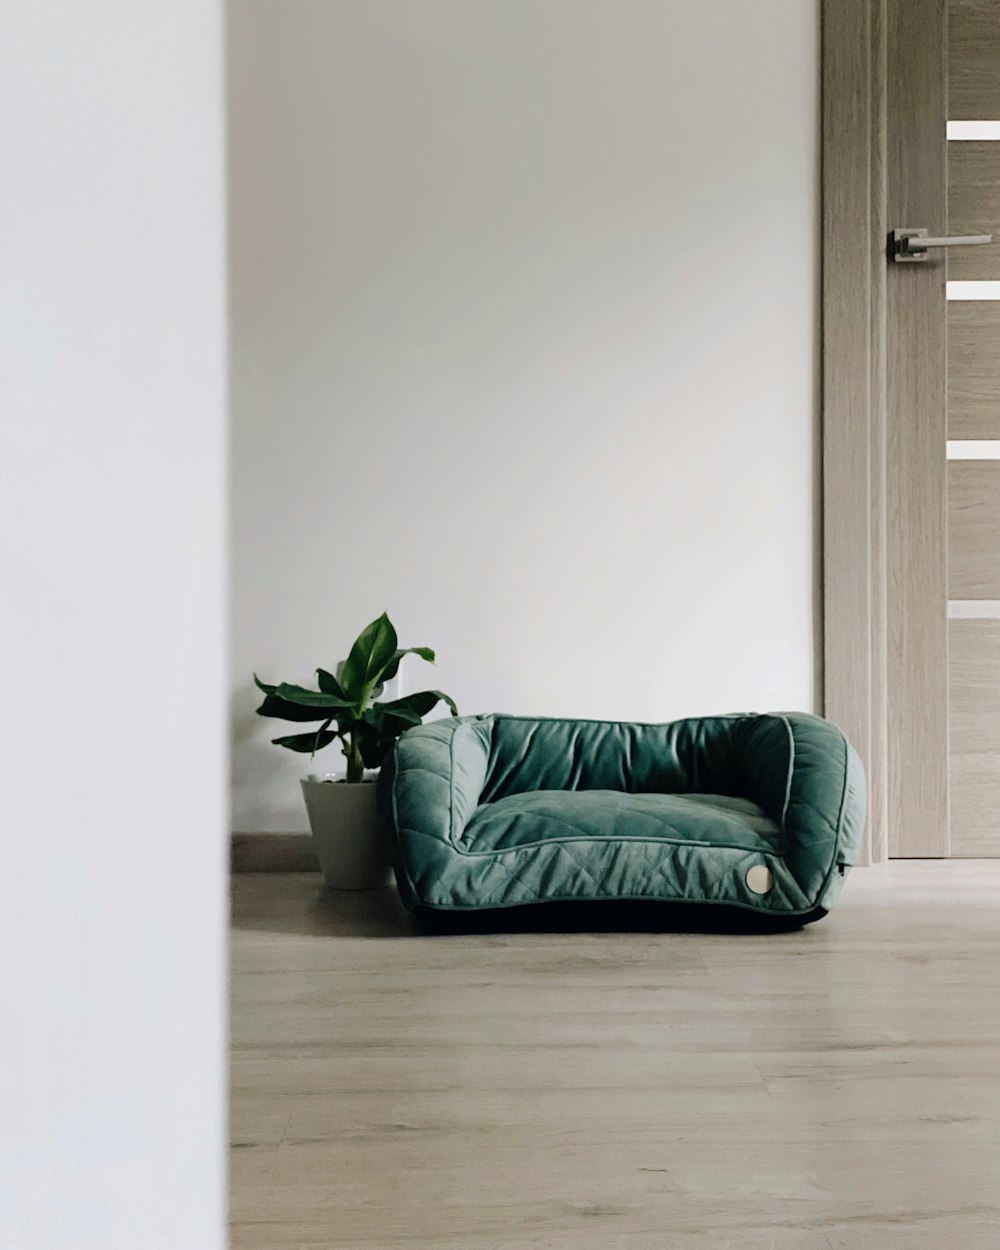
point(911, 244)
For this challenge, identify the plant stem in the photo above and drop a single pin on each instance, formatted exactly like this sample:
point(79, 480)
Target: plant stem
point(355, 764)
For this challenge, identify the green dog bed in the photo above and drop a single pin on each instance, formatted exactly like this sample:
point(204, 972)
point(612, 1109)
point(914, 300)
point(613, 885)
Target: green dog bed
point(757, 812)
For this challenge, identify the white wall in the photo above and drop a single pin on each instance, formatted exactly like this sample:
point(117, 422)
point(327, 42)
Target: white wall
point(524, 341)
point(112, 763)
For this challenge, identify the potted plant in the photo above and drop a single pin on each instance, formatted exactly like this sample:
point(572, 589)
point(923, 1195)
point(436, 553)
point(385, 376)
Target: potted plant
point(342, 812)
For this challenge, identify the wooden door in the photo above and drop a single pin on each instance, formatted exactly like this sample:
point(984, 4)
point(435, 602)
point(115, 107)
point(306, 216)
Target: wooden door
point(912, 415)
point(943, 431)
point(915, 415)
point(973, 406)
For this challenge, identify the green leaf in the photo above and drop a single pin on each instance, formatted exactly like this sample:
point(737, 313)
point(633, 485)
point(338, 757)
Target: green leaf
point(328, 683)
point(374, 754)
point(392, 719)
point(419, 704)
point(373, 745)
point(282, 709)
point(374, 648)
point(311, 698)
point(308, 743)
point(263, 685)
point(390, 724)
point(392, 668)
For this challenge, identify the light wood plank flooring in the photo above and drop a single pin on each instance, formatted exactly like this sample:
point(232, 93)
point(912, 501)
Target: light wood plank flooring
point(832, 1089)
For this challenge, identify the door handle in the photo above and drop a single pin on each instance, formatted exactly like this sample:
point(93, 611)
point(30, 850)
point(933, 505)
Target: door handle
point(908, 244)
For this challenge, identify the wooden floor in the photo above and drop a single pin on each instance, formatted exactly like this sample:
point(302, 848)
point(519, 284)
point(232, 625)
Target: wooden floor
point(832, 1089)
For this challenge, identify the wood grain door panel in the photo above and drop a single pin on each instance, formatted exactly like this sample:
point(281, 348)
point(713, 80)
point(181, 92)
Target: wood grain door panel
point(974, 208)
point(973, 58)
point(916, 432)
point(974, 531)
point(974, 369)
point(974, 730)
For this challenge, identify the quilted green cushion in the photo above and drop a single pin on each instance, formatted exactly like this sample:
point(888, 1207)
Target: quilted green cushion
point(499, 811)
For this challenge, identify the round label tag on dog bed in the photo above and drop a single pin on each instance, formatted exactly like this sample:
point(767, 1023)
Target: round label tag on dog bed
point(760, 879)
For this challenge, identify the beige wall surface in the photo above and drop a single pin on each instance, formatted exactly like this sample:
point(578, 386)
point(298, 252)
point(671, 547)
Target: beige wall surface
point(523, 303)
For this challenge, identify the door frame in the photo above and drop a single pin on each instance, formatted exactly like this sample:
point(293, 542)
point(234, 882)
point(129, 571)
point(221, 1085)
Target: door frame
point(854, 508)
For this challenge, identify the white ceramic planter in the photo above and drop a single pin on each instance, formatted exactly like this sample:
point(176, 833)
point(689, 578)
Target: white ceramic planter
point(348, 834)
